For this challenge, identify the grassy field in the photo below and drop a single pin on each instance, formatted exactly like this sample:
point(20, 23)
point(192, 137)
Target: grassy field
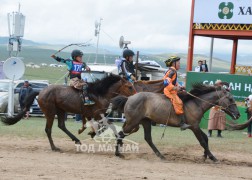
point(235, 141)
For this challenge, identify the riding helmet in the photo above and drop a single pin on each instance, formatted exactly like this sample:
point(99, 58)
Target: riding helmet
point(170, 60)
point(76, 53)
point(127, 53)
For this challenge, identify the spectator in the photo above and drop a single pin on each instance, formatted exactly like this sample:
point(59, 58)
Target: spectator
point(25, 90)
point(217, 118)
point(199, 67)
point(204, 66)
point(248, 103)
point(118, 62)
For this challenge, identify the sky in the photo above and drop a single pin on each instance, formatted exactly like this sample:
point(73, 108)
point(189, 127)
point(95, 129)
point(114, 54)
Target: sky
point(155, 26)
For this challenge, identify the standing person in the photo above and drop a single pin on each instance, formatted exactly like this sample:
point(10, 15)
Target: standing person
point(118, 63)
point(217, 118)
point(199, 67)
point(172, 88)
point(127, 67)
point(204, 66)
point(248, 103)
point(75, 66)
point(25, 90)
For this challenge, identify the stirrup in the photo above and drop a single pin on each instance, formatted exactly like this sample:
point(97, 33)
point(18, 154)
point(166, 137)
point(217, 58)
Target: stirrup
point(89, 102)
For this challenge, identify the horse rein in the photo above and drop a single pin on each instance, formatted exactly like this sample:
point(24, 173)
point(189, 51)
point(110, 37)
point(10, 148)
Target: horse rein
point(220, 107)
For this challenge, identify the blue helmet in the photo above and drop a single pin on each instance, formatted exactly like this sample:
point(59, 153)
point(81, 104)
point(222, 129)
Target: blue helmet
point(127, 53)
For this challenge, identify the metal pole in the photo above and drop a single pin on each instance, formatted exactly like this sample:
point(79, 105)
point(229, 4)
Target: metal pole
point(11, 99)
point(97, 45)
point(137, 55)
point(211, 54)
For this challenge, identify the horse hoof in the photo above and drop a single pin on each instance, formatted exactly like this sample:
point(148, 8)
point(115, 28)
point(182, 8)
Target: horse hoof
point(80, 131)
point(78, 142)
point(56, 149)
point(204, 158)
point(216, 161)
point(92, 134)
point(162, 158)
point(120, 155)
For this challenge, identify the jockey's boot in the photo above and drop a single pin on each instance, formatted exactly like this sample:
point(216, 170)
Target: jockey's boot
point(88, 101)
point(183, 125)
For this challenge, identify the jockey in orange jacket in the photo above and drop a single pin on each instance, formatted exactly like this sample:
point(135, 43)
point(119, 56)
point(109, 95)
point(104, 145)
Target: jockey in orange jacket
point(172, 88)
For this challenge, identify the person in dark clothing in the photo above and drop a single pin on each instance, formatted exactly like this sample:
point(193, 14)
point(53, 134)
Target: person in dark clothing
point(204, 66)
point(127, 66)
point(25, 90)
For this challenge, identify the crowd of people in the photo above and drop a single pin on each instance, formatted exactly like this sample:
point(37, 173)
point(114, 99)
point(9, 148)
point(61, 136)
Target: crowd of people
point(202, 66)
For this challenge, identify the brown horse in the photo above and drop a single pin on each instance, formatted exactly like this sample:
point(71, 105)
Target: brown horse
point(58, 99)
point(144, 107)
point(156, 86)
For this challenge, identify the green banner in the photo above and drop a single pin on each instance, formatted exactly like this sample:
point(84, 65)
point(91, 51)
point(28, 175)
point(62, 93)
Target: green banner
point(241, 85)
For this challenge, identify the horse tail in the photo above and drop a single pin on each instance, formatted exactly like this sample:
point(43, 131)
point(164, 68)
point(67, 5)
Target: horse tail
point(118, 103)
point(14, 119)
point(233, 126)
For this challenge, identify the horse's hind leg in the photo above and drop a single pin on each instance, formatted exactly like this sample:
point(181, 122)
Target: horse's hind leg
point(199, 135)
point(206, 139)
point(147, 136)
point(62, 126)
point(48, 130)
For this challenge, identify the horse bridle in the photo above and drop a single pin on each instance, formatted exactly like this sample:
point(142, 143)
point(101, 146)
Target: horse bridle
point(227, 106)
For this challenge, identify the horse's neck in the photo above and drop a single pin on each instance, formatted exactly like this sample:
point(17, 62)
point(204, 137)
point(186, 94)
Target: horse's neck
point(150, 86)
point(208, 100)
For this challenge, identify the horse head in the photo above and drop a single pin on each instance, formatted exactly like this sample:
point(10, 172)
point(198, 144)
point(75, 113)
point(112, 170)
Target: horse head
point(227, 103)
point(126, 88)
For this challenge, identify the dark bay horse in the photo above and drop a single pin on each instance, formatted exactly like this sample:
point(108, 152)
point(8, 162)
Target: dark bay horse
point(59, 99)
point(144, 107)
point(156, 86)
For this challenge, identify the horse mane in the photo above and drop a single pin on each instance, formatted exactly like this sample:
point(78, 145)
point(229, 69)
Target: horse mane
point(101, 86)
point(197, 90)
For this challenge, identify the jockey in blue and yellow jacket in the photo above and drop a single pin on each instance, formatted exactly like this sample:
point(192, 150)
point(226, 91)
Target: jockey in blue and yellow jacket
point(75, 67)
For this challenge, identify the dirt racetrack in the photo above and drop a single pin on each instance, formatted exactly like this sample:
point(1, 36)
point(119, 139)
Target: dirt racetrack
point(23, 158)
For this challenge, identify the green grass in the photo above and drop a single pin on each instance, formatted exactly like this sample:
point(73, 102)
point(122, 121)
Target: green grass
point(235, 141)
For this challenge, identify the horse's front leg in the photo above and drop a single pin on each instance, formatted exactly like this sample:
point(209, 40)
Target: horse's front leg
point(147, 136)
point(119, 143)
point(62, 126)
point(84, 126)
point(203, 142)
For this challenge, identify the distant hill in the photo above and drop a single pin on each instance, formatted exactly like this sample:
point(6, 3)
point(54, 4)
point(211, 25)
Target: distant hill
point(37, 53)
point(5, 41)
